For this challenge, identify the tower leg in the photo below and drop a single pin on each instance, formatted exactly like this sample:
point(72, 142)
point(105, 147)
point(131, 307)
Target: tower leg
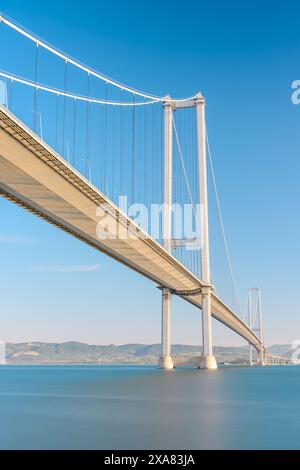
point(249, 306)
point(262, 352)
point(261, 357)
point(165, 360)
point(250, 355)
point(207, 360)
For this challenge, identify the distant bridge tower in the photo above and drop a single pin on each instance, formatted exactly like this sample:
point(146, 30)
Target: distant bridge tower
point(254, 298)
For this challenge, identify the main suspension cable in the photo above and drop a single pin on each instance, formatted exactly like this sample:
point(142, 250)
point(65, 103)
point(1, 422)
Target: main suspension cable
point(222, 226)
point(39, 41)
point(78, 97)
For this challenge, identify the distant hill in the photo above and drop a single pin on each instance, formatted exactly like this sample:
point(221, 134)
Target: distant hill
point(75, 352)
point(281, 349)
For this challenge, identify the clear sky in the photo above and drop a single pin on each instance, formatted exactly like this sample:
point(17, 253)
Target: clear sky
point(243, 56)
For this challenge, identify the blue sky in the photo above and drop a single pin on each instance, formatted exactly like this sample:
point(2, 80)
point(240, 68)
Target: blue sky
point(243, 56)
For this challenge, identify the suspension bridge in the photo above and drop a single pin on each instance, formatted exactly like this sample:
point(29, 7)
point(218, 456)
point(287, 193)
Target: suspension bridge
point(127, 172)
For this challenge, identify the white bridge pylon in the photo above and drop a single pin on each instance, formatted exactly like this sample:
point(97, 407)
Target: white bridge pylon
point(207, 360)
point(255, 315)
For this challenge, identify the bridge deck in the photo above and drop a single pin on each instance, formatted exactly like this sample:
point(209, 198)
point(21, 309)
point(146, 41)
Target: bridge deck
point(35, 177)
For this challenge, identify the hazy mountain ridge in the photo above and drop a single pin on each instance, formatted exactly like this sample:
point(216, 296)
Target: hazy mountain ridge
point(76, 352)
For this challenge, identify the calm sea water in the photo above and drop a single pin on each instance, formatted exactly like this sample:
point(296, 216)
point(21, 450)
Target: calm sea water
point(101, 407)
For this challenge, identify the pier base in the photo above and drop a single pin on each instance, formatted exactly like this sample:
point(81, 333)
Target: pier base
point(261, 362)
point(165, 362)
point(208, 362)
